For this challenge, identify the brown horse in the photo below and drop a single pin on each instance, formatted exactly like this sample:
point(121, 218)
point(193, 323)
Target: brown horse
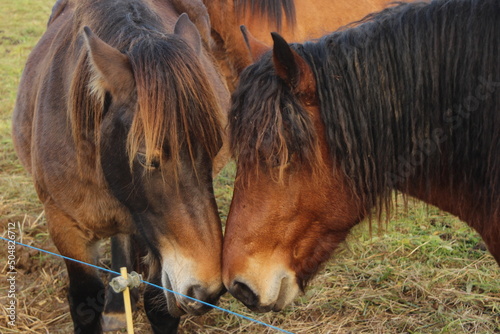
point(117, 119)
point(324, 132)
point(295, 20)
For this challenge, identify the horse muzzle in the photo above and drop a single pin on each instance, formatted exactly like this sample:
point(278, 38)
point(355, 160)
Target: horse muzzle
point(198, 300)
point(265, 293)
point(195, 299)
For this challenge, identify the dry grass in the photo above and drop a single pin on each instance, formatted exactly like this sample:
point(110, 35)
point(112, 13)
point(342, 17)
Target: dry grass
point(426, 273)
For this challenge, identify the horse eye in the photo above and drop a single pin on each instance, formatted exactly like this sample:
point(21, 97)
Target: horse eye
point(153, 164)
point(275, 162)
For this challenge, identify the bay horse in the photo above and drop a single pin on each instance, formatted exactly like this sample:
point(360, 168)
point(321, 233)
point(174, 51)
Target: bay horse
point(118, 119)
point(295, 20)
point(324, 132)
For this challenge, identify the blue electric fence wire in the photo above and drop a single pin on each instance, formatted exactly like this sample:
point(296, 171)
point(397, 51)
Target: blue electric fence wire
point(154, 285)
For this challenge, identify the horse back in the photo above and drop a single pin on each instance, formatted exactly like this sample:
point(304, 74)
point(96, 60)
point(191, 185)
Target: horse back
point(314, 19)
point(30, 92)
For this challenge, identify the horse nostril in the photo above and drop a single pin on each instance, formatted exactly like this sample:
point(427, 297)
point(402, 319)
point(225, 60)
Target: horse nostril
point(195, 307)
point(242, 292)
point(197, 292)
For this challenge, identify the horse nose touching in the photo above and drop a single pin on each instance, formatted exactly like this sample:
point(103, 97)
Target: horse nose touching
point(191, 304)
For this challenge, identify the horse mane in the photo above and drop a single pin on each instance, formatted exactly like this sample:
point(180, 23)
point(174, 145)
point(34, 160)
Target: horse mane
point(399, 100)
point(391, 86)
point(175, 103)
point(273, 129)
point(273, 10)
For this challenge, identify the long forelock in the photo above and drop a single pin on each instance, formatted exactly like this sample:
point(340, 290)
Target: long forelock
point(175, 103)
point(121, 27)
point(269, 131)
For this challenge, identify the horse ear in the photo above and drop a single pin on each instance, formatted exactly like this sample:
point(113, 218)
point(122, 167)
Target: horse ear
point(188, 31)
point(198, 14)
point(292, 68)
point(256, 47)
point(112, 66)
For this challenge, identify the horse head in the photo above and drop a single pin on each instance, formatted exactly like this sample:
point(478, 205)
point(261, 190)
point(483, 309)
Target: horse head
point(282, 224)
point(158, 136)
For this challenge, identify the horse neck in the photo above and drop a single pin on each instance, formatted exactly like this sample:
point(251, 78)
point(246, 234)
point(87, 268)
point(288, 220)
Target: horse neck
point(395, 102)
point(460, 202)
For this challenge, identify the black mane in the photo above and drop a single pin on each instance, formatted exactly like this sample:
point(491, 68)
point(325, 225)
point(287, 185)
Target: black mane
point(411, 94)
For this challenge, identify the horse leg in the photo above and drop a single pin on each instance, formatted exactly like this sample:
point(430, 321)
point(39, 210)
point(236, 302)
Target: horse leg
point(86, 299)
point(155, 304)
point(122, 255)
point(86, 290)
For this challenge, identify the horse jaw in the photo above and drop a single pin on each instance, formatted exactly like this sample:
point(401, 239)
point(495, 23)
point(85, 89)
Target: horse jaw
point(172, 305)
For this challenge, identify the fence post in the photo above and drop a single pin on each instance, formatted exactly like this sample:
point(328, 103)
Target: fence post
point(126, 300)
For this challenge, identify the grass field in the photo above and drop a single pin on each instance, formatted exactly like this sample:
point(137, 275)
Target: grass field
point(425, 272)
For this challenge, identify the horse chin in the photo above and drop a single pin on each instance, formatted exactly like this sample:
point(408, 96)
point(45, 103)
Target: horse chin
point(173, 306)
